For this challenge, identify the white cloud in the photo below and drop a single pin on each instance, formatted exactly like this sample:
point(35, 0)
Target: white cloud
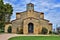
point(56, 5)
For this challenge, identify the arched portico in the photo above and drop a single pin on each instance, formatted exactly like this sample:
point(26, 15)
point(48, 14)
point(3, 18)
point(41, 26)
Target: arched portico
point(30, 26)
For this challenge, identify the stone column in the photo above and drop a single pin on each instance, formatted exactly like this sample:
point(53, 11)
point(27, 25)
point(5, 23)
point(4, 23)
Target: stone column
point(25, 28)
point(36, 26)
point(40, 28)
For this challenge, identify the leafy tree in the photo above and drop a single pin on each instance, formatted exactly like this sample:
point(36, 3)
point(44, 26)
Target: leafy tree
point(5, 9)
point(1, 14)
point(8, 12)
point(58, 29)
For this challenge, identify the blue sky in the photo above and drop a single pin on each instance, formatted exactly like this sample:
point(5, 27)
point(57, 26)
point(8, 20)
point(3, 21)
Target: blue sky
point(51, 8)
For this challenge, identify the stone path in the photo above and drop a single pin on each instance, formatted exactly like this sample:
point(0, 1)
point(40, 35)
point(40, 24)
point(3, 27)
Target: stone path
point(7, 36)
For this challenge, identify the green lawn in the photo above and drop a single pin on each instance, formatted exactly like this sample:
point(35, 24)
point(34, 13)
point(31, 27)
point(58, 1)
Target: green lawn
point(36, 38)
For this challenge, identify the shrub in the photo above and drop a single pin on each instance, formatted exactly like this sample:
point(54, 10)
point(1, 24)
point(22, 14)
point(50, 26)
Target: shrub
point(58, 29)
point(44, 31)
point(50, 32)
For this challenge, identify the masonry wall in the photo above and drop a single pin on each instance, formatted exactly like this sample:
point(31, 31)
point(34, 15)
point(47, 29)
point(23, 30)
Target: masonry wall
point(44, 24)
point(26, 17)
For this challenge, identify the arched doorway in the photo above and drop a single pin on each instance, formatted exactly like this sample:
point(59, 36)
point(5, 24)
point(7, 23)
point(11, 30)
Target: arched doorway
point(9, 29)
point(30, 28)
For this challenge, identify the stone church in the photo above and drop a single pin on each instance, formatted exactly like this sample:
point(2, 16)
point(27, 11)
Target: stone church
point(29, 22)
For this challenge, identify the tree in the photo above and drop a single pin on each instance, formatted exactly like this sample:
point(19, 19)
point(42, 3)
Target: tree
point(8, 12)
point(44, 31)
point(2, 19)
point(5, 9)
point(58, 29)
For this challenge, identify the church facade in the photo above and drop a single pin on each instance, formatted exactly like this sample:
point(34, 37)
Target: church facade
point(29, 22)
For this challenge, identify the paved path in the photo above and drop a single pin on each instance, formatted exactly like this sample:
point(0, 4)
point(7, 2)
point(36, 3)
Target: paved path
point(7, 36)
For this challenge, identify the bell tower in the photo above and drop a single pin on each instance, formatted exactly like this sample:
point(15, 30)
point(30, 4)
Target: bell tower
point(30, 7)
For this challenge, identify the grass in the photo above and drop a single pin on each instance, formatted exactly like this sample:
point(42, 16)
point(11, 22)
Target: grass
point(35, 38)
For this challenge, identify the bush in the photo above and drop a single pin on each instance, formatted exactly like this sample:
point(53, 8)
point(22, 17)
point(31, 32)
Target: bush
point(58, 29)
point(44, 31)
point(50, 32)
point(56, 33)
point(1, 31)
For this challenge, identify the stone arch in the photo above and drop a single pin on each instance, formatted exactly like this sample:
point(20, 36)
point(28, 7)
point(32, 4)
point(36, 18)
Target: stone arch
point(30, 27)
point(7, 26)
